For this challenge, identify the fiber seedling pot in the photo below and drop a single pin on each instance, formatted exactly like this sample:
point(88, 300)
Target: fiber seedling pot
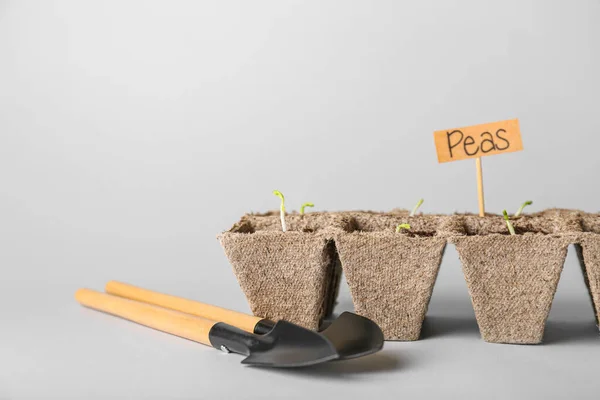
point(512, 279)
point(290, 275)
point(391, 275)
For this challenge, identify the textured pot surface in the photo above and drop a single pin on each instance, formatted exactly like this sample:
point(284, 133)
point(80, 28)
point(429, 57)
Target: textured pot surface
point(512, 280)
point(292, 275)
point(391, 278)
point(284, 276)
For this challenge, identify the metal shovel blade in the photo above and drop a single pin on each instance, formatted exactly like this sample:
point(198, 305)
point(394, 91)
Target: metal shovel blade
point(286, 345)
point(350, 334)
point(354, 336)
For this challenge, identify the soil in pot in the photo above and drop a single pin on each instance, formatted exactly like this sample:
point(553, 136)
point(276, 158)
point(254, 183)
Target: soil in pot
point(548, 221)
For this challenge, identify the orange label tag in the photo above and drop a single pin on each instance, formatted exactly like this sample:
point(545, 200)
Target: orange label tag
point(478, 140)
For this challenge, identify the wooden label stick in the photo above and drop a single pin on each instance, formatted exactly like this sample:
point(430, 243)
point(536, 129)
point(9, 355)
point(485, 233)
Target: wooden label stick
point(480, 187)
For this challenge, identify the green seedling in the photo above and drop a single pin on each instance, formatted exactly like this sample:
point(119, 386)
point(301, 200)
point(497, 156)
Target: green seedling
point(402, 226)
point(414, 210)
point(305, 205)
point(281, 209)
point(511, 229)
point(520, 210)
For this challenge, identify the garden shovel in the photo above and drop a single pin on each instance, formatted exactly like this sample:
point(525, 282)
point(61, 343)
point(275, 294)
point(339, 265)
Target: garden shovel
point(351, 335)
point(286, 345)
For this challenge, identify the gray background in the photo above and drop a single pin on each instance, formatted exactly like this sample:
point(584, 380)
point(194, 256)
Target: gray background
point(131, 133)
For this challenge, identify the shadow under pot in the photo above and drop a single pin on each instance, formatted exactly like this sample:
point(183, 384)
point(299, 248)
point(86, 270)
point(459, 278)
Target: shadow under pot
point(512, 280)
point(588, 252)
point(391, 276)
point(288, 275)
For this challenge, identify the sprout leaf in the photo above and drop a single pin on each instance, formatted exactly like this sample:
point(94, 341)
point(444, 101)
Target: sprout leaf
point(520, 210)
point(414, 211)
point(305, 205)
point(282, 208)
point(402, 226)
point(511, 229)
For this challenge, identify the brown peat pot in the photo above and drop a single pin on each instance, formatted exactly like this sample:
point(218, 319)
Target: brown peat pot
point(512, 278)
point(292, 275)
point(391, 274)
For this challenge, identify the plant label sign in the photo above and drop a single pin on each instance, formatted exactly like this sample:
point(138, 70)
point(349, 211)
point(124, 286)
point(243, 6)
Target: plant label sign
point(475, 142)
point(478, 140)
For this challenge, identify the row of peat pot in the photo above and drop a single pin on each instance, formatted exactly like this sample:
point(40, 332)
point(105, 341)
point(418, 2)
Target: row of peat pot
point(295, 275)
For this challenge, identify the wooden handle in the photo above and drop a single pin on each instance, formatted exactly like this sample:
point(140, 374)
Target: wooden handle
point(243, 321)
point(185, 326)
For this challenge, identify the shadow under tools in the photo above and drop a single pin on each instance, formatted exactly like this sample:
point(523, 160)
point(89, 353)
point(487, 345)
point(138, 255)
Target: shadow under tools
point(375, 363)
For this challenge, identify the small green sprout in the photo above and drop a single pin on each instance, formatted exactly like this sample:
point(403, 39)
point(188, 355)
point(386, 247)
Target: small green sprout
point(305, 205)
point(282, 208)
point(414, 210)
point(402, 226)
point(520, 210)
point(511, 229)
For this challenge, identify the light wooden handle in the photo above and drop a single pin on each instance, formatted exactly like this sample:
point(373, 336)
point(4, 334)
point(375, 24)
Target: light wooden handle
point(185, 326)
point(243, 321)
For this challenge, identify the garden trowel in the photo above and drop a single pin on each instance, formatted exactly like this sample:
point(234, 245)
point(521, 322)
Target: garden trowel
point(351, 335)
point(286, 345)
